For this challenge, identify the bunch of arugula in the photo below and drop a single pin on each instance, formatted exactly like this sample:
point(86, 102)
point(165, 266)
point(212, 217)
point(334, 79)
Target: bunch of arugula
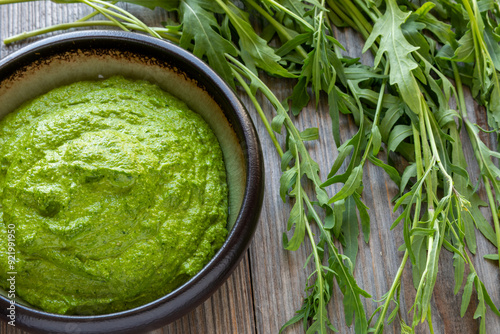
point(417, 75)
point(405, 101)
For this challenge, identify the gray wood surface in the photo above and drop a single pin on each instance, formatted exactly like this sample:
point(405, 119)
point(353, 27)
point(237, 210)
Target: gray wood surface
point(268, 285)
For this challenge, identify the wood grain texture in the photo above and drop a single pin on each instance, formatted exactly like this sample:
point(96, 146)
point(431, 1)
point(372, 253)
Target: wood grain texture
point(268, 285)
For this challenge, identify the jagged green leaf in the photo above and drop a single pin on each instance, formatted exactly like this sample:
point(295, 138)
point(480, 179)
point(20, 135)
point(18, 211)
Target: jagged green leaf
point(200, 26)
point(398, 50)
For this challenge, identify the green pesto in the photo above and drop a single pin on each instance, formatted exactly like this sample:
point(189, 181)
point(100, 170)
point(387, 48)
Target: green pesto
point(117, 192)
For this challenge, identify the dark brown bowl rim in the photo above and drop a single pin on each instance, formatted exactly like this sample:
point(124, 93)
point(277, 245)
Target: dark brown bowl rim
point(179, 302)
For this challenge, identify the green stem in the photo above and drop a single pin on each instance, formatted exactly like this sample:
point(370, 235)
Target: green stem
point(480, 48)
point(473, 26)
point(127, 16)
point(421, 310)
point(301, 196)
point(434, 149)
point(392, 291)
point(418, 151)
point(272, 98)
point(494, 212)
point(333, 5)
point(479, 158)
point(319, 27)
point(429, 321)
point(361, 25)
point(416, 216)
point(426, 160)
point(377, 115)
point(107, 14)
point(357, 16)
point(292, 130)
point(91, 15)
point(64, 26)
point(375, 15)
point(7, 2)
point(259, 109)
point(278, 26)
point(289, 12)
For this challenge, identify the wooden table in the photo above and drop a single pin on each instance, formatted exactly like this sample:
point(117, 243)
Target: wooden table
point(267, 287)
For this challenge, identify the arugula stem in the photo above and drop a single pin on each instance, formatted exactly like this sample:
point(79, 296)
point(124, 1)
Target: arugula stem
point(132, 23)
point(395, 283)
point(494, 212)
point(319, 269)
point(427, 161)
point(361, 25)
point(416, 217)
point(377, 115)
point(474, 27)
point(420, 174)
point(353, 24)
point(301, 194)
point(418, 151)
point(374, 16)
point(341, 14)
point(289, 12)
point(6, 2)
point(418, 312)
point(163, 32)
point(357, 16)
point(91, 15)
point(126, 17)
point(429, 316)
point(108, 14)
point(278, 26)
point(258, 108)
point(479, 157)
point(271, 97)
point(435, 150)
point(427, 282)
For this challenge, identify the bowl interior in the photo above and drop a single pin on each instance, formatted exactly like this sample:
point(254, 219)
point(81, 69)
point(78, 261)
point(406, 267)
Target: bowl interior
point(40, 71)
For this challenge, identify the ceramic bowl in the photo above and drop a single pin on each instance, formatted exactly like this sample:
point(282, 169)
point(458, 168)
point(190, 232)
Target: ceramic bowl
point(90, 55)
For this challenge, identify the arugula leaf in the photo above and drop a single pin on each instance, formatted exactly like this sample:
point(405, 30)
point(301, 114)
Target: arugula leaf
point(398, 134)
point(466, 48)
point(350, 230)
point(394, 43)
point(259, 53)
point(352, 183)
point(201, 26)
